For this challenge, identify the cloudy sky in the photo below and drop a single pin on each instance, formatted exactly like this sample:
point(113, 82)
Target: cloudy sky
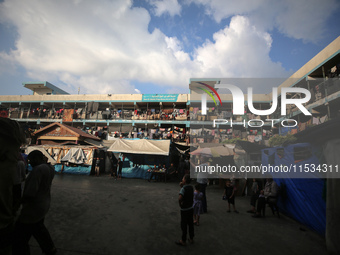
point(156, 46)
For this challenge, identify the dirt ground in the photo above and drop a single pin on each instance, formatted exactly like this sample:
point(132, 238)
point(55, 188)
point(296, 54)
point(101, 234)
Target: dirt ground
point(97, 215)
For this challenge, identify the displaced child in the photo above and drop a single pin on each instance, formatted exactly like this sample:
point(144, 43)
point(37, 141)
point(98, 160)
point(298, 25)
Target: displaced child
point(198, 209)
point(96, 169)
point(229, 194)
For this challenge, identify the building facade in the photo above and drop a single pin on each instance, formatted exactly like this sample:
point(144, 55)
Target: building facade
point(164, 115)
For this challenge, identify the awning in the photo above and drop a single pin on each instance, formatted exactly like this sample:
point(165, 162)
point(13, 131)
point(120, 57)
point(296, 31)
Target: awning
point(141, 146)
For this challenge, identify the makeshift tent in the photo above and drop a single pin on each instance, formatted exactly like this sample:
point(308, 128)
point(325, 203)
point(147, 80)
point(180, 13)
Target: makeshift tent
point(301, 198)
point(139, 154)
point(141, 146)
point(56, 155)
point(57, 152)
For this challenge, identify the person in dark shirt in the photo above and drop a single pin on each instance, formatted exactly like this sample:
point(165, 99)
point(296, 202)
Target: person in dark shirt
point(153, 170)
point(36, 200)
point(229, 193)
point(172, 171)
point(186, 199)
point(11, 137)
point(120, 168)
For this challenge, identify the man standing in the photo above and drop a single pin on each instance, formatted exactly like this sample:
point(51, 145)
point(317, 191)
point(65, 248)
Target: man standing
point(11, 137)
point(172, 171)
point(186, 199)
point(270, 190)
point(271, 193)
point(36, 201)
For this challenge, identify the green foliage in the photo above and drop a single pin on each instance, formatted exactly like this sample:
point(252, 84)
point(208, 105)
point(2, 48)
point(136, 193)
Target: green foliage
point(278, 140)
point(233, 140)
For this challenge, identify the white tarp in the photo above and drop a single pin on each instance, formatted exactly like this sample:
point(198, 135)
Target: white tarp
point(42, 149)
point(75, 156)
point(55, 153)
point(142, 146)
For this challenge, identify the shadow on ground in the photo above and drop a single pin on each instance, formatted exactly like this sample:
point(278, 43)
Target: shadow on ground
point(97, 215)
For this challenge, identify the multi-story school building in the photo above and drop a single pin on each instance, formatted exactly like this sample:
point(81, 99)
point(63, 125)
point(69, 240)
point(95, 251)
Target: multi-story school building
point(163, 115)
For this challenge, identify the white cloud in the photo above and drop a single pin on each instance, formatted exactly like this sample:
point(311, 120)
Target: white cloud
point(103, 48)
point(171, 7)
point(231, 54)
point(7, 64)
point(302, 19)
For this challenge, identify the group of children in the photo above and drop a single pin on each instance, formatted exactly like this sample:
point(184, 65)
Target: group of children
point(228, 195)
point(115, 171)
point(191, 204)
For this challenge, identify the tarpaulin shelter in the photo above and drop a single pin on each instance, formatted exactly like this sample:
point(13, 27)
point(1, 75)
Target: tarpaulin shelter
point(68, 159)
point(140, 154)
point(301, 198)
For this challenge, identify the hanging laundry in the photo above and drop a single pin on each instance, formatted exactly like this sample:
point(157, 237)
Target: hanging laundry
point(251, 138)
point(258, 138)
point(316, 121)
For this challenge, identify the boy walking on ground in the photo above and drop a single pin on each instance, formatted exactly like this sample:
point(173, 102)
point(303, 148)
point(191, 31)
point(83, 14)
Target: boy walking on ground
point(97, 167)
point(186, 196)
point(229, 193)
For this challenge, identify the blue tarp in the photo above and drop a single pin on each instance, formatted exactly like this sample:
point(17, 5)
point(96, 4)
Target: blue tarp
point(136, 166)
point(82, 170)
point(303, 198)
